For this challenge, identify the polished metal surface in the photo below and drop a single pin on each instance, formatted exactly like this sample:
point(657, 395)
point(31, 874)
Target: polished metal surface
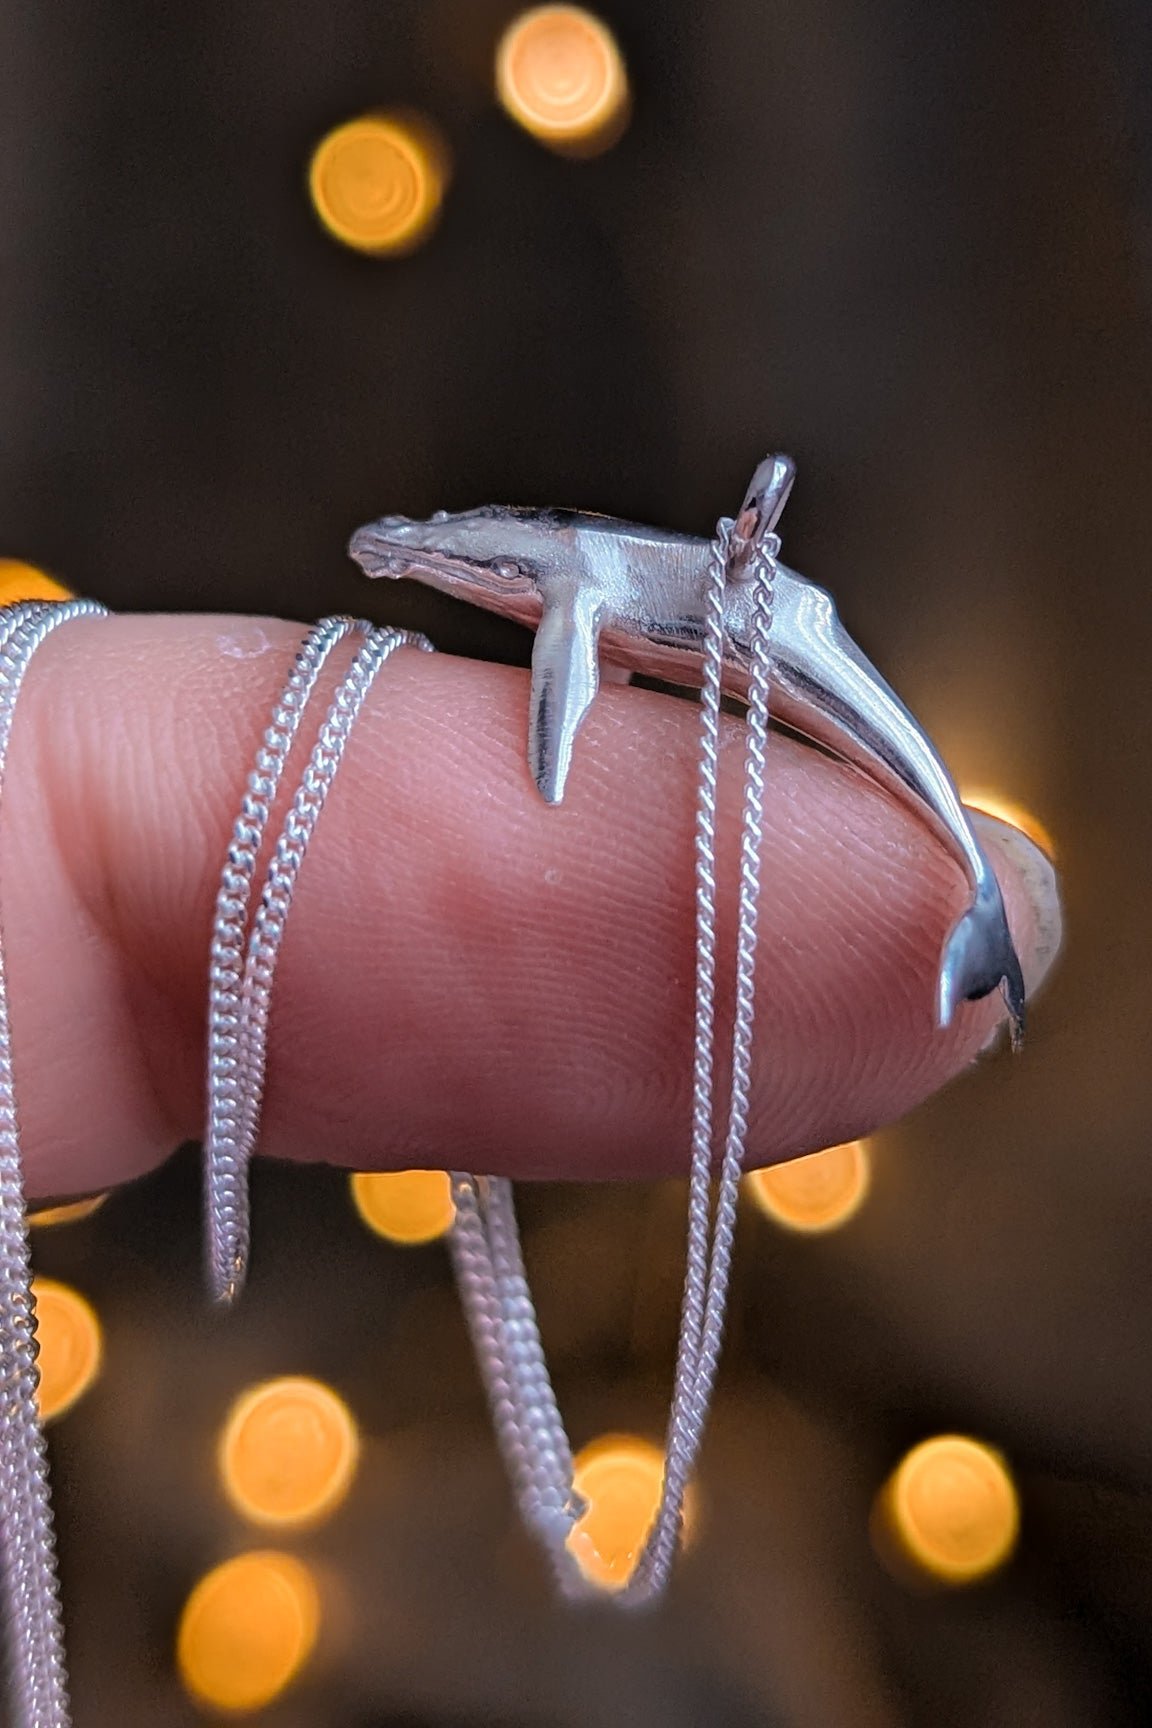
point(593, 586)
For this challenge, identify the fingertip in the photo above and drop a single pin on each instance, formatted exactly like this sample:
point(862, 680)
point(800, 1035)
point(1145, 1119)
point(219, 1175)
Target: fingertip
point(1031, 888)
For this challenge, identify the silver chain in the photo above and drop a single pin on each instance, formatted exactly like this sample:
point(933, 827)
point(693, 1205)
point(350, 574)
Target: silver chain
point(711, 1230)
point(485, 1241)
point(245, 946)
point(39, 1687)
point(490, 1276)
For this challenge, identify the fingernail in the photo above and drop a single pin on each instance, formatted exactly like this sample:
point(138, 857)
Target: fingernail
point(1034, 873)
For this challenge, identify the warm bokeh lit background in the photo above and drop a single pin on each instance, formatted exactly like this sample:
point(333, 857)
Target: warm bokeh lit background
point(267, 272)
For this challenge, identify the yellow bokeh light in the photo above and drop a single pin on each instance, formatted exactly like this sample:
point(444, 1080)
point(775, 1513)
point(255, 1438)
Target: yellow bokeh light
point(71, 1212)
point(1018, 815)
point(950, 1510)
point(819, 1192)
point(405, 1206)
point(560, 75)
point(377, 182)
point(20, 581)
point(620, 1477)
point(288, 1452)
point(71, 1345)
point(246, 1631)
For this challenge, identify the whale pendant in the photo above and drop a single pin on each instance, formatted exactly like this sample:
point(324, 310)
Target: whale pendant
point(598, 589)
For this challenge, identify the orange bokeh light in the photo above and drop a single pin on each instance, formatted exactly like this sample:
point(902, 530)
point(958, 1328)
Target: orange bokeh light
point(949, 1511)
point(71, 1212)
point(620, 1477)
point(1018, 815)
point(405, 1206)
point(71, 1346)
point(20, 581)
point(246, 1630)
point(377, 182)
point(288, 1452)
point(560, 75)
point(816, 1193)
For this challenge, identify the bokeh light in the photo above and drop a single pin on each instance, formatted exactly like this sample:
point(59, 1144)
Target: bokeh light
point(949, 1512)
point(1008, 810)
point(288, 1452)
point(816, 1193)
point(560, 75)
point(71, 1212)
point(71, 1346)
point(20, 581)
point(246, 1631)
point(620, 1477)
point(377, 182)
point(404, 1206)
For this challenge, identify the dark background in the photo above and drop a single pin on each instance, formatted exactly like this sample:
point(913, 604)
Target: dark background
point(912, 245)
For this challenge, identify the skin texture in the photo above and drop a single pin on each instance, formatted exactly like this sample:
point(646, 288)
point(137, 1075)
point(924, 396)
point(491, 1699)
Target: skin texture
point(469, 978)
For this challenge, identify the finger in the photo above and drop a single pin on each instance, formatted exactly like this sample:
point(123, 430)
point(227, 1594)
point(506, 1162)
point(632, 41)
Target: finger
point(469, 978)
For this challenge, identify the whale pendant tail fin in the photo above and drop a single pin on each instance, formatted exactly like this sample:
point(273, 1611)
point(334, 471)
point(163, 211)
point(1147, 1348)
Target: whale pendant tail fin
point(979, 957)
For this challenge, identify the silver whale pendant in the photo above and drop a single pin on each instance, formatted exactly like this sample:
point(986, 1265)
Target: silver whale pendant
point(594, 587)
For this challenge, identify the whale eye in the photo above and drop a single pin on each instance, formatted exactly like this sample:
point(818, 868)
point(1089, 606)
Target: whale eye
point(440, 515)
point(506, 568)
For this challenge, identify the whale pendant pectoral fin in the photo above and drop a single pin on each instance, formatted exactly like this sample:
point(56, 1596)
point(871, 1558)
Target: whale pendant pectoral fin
point(565, 678)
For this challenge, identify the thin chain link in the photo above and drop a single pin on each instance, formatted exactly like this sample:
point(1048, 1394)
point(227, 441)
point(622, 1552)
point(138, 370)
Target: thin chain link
point(485, 1245)
point(485, 1241)
point(684, 1419)
point(39, 1687)
point(243, 961)
point(224, 1168)
point(710, 1239)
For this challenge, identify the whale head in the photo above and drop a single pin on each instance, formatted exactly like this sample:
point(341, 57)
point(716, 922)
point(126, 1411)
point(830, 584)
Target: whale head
point(500, 557)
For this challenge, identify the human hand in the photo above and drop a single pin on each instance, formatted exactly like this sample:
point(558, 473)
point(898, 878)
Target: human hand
point(469, 977)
